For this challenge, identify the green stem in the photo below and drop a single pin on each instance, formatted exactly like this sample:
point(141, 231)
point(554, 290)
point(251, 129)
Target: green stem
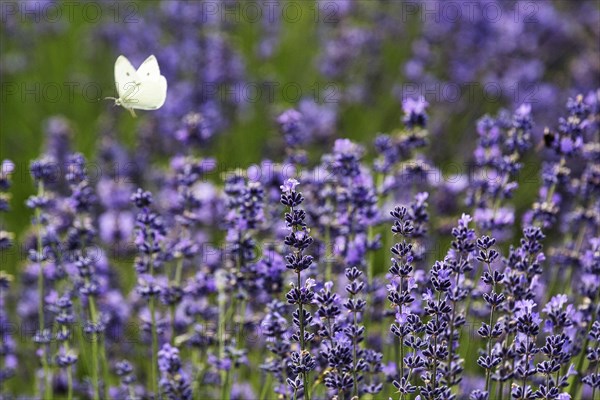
point(552, 189)
point(70, 382)
point(178, 271)
point(154, 369)
point(397, 353)
point(434, 376)
point(172, 307)
point(355, 386)
point(452, 318)
point(172, 314)
point(131, 392)
point(240, 309)
point(302, 344)
point(240, 331)
point(69, 369)
point(401, 338)
point(371, 262)
point(526, 366)
point(488, 371)
point(98, 348)
point(38, 220)
point(104, 364)
point(80, 341)
point(226, 391)
point(93, 315)
point(265, 388)
point(221, 334)
point(95, 366)
point(576, 382)
point(234, 316)
point(198, 360)
point(594, 388)
point(328, 262)
point(510, 382)
point(301, 323)
point(38, 217)
point(153, 328)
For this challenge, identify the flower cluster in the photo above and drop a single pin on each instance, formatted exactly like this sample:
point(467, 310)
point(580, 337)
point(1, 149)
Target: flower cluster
point(301, 294)
point(453, 254)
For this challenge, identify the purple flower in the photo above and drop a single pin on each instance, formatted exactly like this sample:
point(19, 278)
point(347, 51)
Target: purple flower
point(289, 185)
point(301, 362)
point(414, 112)
point(291, 125)
point(174, 382)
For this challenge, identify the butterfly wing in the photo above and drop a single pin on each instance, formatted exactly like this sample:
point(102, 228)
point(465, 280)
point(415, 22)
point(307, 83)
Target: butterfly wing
point(149, 69)
point(151, 88)
point(126, 78)
point(149, 94)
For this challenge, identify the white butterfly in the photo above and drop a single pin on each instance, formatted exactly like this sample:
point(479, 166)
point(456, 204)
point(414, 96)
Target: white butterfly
point(144, 89)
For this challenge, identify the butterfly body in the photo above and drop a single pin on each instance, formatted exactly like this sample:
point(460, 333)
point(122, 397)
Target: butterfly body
point(141, 89)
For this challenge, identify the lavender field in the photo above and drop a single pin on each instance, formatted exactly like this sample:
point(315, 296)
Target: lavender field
point(336, 199)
